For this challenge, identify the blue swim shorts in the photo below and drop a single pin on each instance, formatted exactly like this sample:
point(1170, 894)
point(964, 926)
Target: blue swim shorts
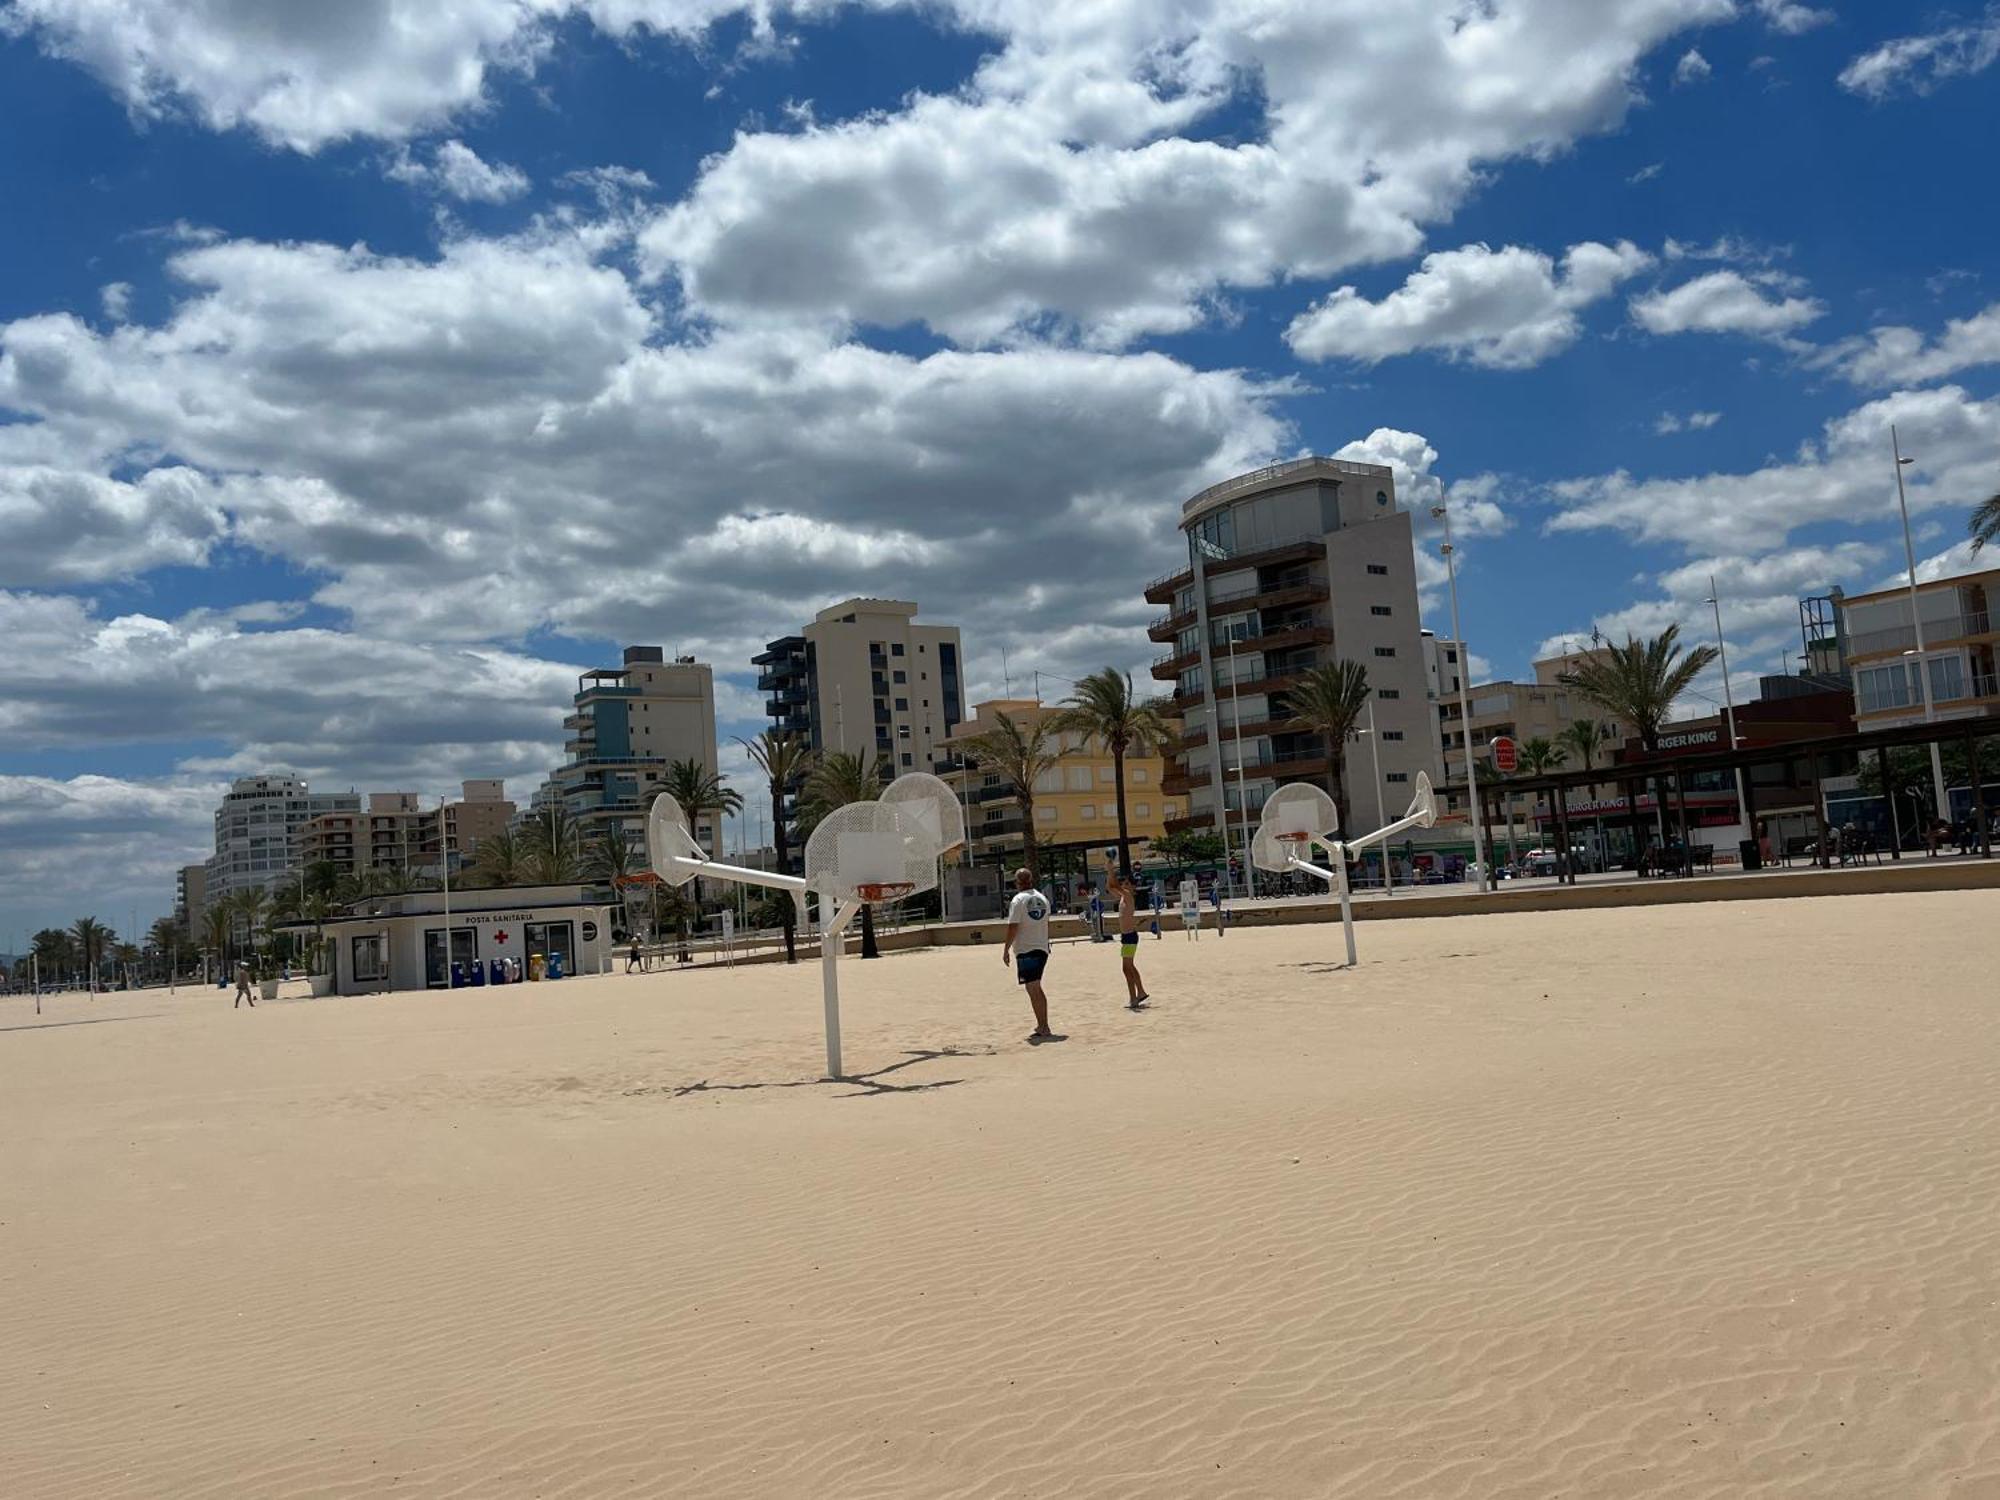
point(1028, 966)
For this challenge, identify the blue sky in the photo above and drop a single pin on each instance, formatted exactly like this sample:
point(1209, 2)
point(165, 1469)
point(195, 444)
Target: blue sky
point(366, 371)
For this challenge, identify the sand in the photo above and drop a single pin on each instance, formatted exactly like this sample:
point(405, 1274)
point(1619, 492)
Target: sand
point(1691, 1201)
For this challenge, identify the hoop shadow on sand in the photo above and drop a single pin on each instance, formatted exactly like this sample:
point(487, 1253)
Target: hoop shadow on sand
point(869, 1085)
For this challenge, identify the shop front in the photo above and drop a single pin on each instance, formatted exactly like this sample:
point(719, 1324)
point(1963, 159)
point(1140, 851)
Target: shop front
point(414, 941)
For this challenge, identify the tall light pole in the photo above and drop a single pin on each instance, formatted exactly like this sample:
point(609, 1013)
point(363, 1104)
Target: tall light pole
point(1381, 811)
point(1443, 514)
point(1714, 601)
point(1236, 709)
point(1917, 624)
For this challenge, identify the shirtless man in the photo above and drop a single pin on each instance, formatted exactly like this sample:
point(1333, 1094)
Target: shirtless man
point(1128, 936)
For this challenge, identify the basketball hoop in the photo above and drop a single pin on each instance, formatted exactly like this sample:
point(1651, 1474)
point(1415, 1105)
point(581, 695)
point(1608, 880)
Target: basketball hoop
point(884, 890)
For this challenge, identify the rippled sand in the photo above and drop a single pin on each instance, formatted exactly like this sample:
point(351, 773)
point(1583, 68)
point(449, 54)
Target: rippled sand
point(1694, 1201)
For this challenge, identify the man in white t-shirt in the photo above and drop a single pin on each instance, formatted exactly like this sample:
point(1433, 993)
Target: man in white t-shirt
point(1027, 948)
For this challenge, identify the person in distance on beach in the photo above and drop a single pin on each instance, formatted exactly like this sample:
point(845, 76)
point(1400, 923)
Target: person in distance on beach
point(1027, 948)
point(1128, 936)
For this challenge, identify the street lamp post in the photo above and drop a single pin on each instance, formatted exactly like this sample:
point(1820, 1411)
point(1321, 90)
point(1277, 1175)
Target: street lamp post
point(1243, 809)
point(1917, 624)
point(1381, 812)
point(1443, 514)
point(1714, 601)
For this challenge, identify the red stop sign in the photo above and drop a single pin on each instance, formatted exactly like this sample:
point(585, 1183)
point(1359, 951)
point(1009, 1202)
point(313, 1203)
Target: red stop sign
point(1505, 756)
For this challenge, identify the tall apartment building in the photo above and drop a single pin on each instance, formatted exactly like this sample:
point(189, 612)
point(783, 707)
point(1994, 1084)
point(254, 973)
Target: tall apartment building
point(1446, 670)
point(864, 677)
point(1290, 567)
point(1961, 651)
point(628, 724)
point(259, 831)
point(190, 895)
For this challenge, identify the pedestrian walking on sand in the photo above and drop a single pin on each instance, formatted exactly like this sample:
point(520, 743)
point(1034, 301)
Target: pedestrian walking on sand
point(1027, 948)
point(243, 986)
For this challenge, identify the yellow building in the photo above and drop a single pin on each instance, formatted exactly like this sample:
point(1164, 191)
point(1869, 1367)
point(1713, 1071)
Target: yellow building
point(1076, 805)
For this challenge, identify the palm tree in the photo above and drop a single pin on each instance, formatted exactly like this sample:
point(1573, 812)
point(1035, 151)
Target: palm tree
point(612, 856)
point(1985, 522)
point(1103, 708)
point(218, 924)
point(1538, 757)
point(90, 936)
point(1585, 736)
point(838, 778)
point(501, 860)
point(249, 907)
point(1639, 683)
point(786, 760)
point(554, 852)
point(698, 790)
point(1329, 701)
point(1020, 754)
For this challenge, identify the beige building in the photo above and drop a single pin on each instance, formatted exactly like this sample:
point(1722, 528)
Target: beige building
point(259, 831)
point(398, 835)
point(190, 895)
point(1290, 567)
point(866, 678)
point(1961, 651)
point(1076, 806)
point(628, 724)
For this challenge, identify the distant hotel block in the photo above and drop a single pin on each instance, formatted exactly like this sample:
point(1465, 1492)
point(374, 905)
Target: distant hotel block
point(866, 678)
point(259, 832)
point(627, 725)
point(1290, 567)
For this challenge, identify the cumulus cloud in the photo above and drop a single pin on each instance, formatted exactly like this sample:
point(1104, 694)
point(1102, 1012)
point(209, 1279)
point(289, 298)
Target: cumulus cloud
point(455, 170)
point(1843, 477)
point(1505, 309)
point(1921, 62)
point(1669, 422)
point(1903, 356)
point(1791, 18)
point(1691, 69)
point(1723, 302)
point(117, 299)
point(1052, 193)
point(66, 527)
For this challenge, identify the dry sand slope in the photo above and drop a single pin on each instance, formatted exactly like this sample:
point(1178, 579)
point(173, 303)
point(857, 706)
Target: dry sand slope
point(1695, 1201)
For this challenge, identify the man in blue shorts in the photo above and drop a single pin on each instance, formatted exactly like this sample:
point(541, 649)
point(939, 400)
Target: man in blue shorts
point(1027, 948)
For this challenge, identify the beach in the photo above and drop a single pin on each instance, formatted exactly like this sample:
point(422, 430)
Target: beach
point(1691, 1201)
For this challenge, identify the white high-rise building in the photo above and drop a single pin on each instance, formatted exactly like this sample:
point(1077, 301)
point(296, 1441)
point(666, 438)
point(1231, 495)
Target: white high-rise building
point(1291, 567)
point(259, 832)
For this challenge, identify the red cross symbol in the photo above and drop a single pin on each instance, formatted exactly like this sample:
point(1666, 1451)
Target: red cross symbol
point(500, 936)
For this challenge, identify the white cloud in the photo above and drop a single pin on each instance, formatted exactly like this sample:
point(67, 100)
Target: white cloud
point(1902, 356)
point(1647, 173)
point(1052, 193)
point(1669, 422)
point(1791, 18)
point(117, 299)
point(1722, 302)
point(457, 171)
point(66, 527)
point(1845, 477)
point(1920, 63)
point(1691, 69)
point(1505, 309)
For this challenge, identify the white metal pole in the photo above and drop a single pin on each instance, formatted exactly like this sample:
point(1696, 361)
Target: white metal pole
point(1443, 513)
point(444, 869)
point(829, 979)
point(1729, 708)
point(1917, 624)
point(1243, 810)
point(1346, 905)
point(1381, 812)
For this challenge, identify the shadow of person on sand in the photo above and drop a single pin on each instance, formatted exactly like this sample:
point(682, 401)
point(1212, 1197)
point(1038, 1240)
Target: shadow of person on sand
point(867, 1085)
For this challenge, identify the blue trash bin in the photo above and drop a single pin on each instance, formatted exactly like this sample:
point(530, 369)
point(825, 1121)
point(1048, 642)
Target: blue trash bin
point(475, 974)
point(457, 974)
point(555, 966)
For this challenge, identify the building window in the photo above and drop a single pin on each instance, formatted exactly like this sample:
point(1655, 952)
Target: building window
point(371, 959)
point(906, 757)
point(1392, 734)
point(902, 731)
point(1107, 774)
point(902, 677)
point(902, 705)
point(1451, 656)
point(1045, 815)
point(1381, 570)
point(1173, 810)
point(1143, 810)
point(897, 649)
point(1089, 813)
point(1138, 774)
point(1397, 776)
point(1110, 810)
point(1385, 650)
point(1388, 693)
point(1380, 609)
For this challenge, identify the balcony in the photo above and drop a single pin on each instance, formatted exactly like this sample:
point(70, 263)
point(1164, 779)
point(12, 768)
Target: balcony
point(1177, 782)
point(1275, 637)
point(775, 678)
point(1937, 633)
point(1276, 680)
point(1299, 549)
point(1299, 588)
